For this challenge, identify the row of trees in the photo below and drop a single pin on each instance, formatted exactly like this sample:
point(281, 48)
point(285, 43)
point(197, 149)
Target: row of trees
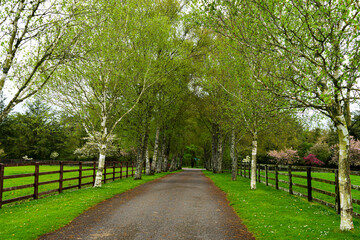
point(306, 53)
point(96, 60)
point(159, 78)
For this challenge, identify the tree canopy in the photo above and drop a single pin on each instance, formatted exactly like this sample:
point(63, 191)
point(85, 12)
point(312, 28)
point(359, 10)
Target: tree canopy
point(169, 83)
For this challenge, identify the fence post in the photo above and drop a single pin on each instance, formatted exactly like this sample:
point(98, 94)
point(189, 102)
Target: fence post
point(121, 166)
point(105, 172)
point(113, 171)
point(61, 177)
point(244, 170)
point(249, 170)
point(94, 172)
point(36, 181)
point(256, 173)
point(2, 169)
point(308, 170)
point(276, 176)
point(337, 193)
point(259, 173)
point(80, 174)
point(127, 169)
point(290, 180)
point(132, 168)
point(266, 175)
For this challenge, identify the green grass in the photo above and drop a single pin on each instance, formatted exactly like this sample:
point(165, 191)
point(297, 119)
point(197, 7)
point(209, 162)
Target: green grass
point(274, 214)
point(31, 219)
point(45, 168)
point(355, 180)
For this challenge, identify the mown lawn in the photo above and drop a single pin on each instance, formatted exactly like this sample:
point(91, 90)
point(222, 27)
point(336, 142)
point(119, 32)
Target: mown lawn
point(31, 219)
point(42, 178)
point(355, 180)
point(274, 214)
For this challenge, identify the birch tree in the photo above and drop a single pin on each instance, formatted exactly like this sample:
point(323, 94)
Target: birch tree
point(256, 108)
point(103, 95)
point(168, 41)
point(314, 52)
point(212, 99)
point(156, 147)
point(36, 37)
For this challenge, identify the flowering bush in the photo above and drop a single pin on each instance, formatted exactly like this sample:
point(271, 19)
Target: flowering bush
point(91, 147)
point(246, 160)
point(313, 161)
point(354, 152)
point(287, 156)
point(26, 158)
point(54, 155)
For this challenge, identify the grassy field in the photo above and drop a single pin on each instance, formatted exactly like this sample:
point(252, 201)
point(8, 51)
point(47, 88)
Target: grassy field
point(31, 219)
point(355, 180)
point(45, 168)
point(273, 214)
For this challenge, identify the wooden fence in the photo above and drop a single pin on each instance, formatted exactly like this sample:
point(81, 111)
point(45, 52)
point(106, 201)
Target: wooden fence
point(83, 170)
point(294, 178)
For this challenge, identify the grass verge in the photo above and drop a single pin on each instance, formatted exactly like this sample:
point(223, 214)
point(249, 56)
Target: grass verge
point(32, 219)
point(355, 180)
point(43, 178)
point(273, 214)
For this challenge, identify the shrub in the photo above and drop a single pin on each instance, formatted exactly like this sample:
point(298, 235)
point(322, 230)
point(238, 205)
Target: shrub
point(54, 155)
point(286, 156)
point(313, 161)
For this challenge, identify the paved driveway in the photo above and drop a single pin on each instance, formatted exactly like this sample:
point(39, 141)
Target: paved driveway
point(185, 205)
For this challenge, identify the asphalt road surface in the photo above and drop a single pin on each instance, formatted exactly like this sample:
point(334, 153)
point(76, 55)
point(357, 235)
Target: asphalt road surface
point(185, 205)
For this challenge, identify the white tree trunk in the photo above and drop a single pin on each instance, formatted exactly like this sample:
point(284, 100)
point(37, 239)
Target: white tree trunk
point(148, 170)
point(214, 145)
point(218, 163)
point(346, 207)
point(142, 155)
point(159, 163)
point(253, 161)
point(139, 166)
point(102, 149)
point(165, 163)
point(2, 79)
point(156, 146)
point(207, 157)
point(173, 163)
point(180, 160)
point(101, 165)
point(234, 163)
point(163, 156)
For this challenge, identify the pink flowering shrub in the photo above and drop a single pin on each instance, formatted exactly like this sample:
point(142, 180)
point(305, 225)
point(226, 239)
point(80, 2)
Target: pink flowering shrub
point(313, 161)
point(287, 156)
point(354, 152)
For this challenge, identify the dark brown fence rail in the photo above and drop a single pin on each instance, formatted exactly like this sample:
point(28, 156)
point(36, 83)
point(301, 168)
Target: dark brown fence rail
point(302, 181)
point(81, 174)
